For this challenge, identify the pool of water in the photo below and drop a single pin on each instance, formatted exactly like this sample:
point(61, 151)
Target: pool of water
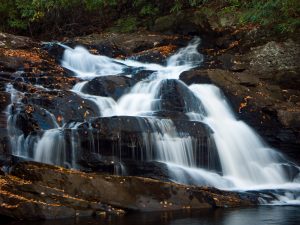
point(263, 215)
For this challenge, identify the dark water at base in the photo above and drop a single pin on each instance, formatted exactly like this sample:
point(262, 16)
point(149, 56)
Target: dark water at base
point(264, 215)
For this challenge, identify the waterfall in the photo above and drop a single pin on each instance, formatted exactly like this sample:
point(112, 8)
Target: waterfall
point(247, 163)
point(245, 158)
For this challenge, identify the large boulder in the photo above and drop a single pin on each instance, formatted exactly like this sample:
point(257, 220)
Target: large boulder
point(174, 95)
point(273, 56)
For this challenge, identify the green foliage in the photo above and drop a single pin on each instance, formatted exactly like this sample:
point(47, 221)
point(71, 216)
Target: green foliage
point(149, 10)
point(126, 25)
point(145, 8)
point(282, 15)
point(177, 6)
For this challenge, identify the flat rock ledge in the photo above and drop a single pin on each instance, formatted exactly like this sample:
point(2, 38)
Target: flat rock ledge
point(38, 191)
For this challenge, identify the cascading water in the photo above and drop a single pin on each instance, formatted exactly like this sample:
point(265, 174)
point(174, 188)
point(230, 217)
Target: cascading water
point(238, 144)
point(246, 161)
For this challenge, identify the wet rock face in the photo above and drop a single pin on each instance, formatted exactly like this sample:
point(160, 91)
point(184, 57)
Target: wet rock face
point(39, 191)
point(66, 106)
point(175, 96)
point(131, 141)
point(44, 110)
point(109, 86)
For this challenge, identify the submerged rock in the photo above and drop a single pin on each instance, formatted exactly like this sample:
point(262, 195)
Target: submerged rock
point(39, 191)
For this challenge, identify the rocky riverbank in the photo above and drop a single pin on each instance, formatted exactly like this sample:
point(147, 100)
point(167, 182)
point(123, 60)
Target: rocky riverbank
point(39, 191)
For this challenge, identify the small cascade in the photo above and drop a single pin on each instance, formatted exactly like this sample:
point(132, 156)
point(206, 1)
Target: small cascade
point(140, 99)
point(169, 146)
point(78, 87)
point(51, 148)
point(187, 57)
point(106, 106)
point(87, 66)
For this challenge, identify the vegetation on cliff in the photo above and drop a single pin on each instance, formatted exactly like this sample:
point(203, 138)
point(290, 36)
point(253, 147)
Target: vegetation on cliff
point(63, 17)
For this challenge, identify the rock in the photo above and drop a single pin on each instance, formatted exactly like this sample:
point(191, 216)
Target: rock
point(54, 102)
point(109, 86)
point(230, 62)
point(94, 162)
point(33, 66)
point(289, 118)
point(156, 55)
point(148, 169)
point(176, 96)
point(40, 109)
point(10, 41)
point(38, 191)
point(274, 56)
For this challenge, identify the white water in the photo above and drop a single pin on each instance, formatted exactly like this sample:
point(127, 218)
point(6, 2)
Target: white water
point(247, 162)
point(51, 148)
point(238, 144)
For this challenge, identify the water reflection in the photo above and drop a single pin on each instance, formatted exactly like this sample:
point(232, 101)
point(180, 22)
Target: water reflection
point(264, 215)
